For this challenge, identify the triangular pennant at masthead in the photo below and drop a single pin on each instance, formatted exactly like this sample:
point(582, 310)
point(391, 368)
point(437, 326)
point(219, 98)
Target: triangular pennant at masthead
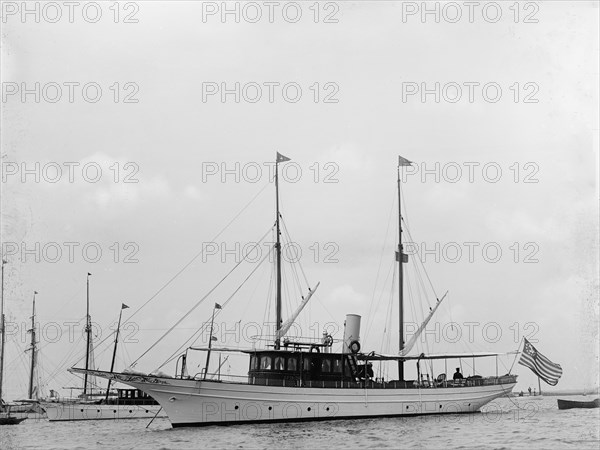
point(281, 158)
point(403, 161)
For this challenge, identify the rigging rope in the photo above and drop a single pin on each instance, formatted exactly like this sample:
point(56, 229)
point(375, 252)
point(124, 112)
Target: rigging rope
point(299, 284)
point(289, 238)
point(198, 254)
point(383, 248)
point(166, 284)
point(391, 270)
point(269, 296)
point(218, 311)
point(197, 303)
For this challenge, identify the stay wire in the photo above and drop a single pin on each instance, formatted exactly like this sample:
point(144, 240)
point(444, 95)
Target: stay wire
point(199, 253)
point(218, 311)
point(196, 305)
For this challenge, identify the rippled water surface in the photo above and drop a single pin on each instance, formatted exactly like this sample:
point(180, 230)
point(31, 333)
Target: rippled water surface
point(506, 423)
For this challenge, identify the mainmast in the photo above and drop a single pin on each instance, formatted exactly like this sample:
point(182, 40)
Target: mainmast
point(2, 332)
point(401, 258)
point(88, 331)
point(33, 349)
point(280, 158)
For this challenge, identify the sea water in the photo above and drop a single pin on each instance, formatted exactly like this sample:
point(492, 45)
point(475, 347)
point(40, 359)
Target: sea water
point(518, 422)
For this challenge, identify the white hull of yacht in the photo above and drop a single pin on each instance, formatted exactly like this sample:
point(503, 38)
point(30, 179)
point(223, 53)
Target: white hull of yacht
point(66, 411)
point(195, 402)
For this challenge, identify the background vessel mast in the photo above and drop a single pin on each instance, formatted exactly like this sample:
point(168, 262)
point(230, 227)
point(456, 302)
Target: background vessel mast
point(33, 349)
point(2, 331)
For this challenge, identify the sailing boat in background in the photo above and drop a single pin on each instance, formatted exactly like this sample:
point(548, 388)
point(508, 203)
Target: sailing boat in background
point(100, 405)
point(298, 380)
point(32, 403)
point(32, 393)
point(5, 409)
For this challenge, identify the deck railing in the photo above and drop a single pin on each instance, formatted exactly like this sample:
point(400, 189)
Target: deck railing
point(369, 384)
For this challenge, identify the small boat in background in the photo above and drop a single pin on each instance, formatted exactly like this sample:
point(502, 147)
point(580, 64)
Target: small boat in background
point(7, 419)
point(570, 404)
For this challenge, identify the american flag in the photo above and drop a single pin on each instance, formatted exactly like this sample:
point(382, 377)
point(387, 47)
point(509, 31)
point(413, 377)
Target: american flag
point(539, 364)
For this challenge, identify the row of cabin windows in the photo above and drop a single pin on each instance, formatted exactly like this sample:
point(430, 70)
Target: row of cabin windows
point(131, 393)
point(290, 363)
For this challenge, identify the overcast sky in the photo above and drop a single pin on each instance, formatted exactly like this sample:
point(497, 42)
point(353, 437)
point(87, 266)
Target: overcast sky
point(341, 94)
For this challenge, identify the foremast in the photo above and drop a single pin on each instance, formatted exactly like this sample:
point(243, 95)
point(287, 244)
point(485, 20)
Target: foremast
point(88, 332)
point(278, 321)
point(402, 258)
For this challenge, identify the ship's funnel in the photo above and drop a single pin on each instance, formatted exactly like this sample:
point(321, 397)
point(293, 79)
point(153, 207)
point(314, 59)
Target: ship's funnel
point(351, 334)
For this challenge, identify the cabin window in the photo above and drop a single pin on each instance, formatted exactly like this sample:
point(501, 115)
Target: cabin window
point(279, 363)
point(292, 363)
point(347, 370)
point(326, 365)
point(265, 363)
point(253, 362)
point(306, 364)
point(337, 366)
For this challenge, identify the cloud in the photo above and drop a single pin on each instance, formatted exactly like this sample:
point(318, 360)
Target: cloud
point(111, 195)
point(192, 192)
point(346, 296)
point(105, 180)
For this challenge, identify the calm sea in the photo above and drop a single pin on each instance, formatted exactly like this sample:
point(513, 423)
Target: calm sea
point(505, 423)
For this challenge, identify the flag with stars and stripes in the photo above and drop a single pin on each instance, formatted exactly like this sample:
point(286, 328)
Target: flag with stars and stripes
point(540, 365)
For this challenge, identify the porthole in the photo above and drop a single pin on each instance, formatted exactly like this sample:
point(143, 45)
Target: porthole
point(270, 408)
point(308, 409)
point(237, 407)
